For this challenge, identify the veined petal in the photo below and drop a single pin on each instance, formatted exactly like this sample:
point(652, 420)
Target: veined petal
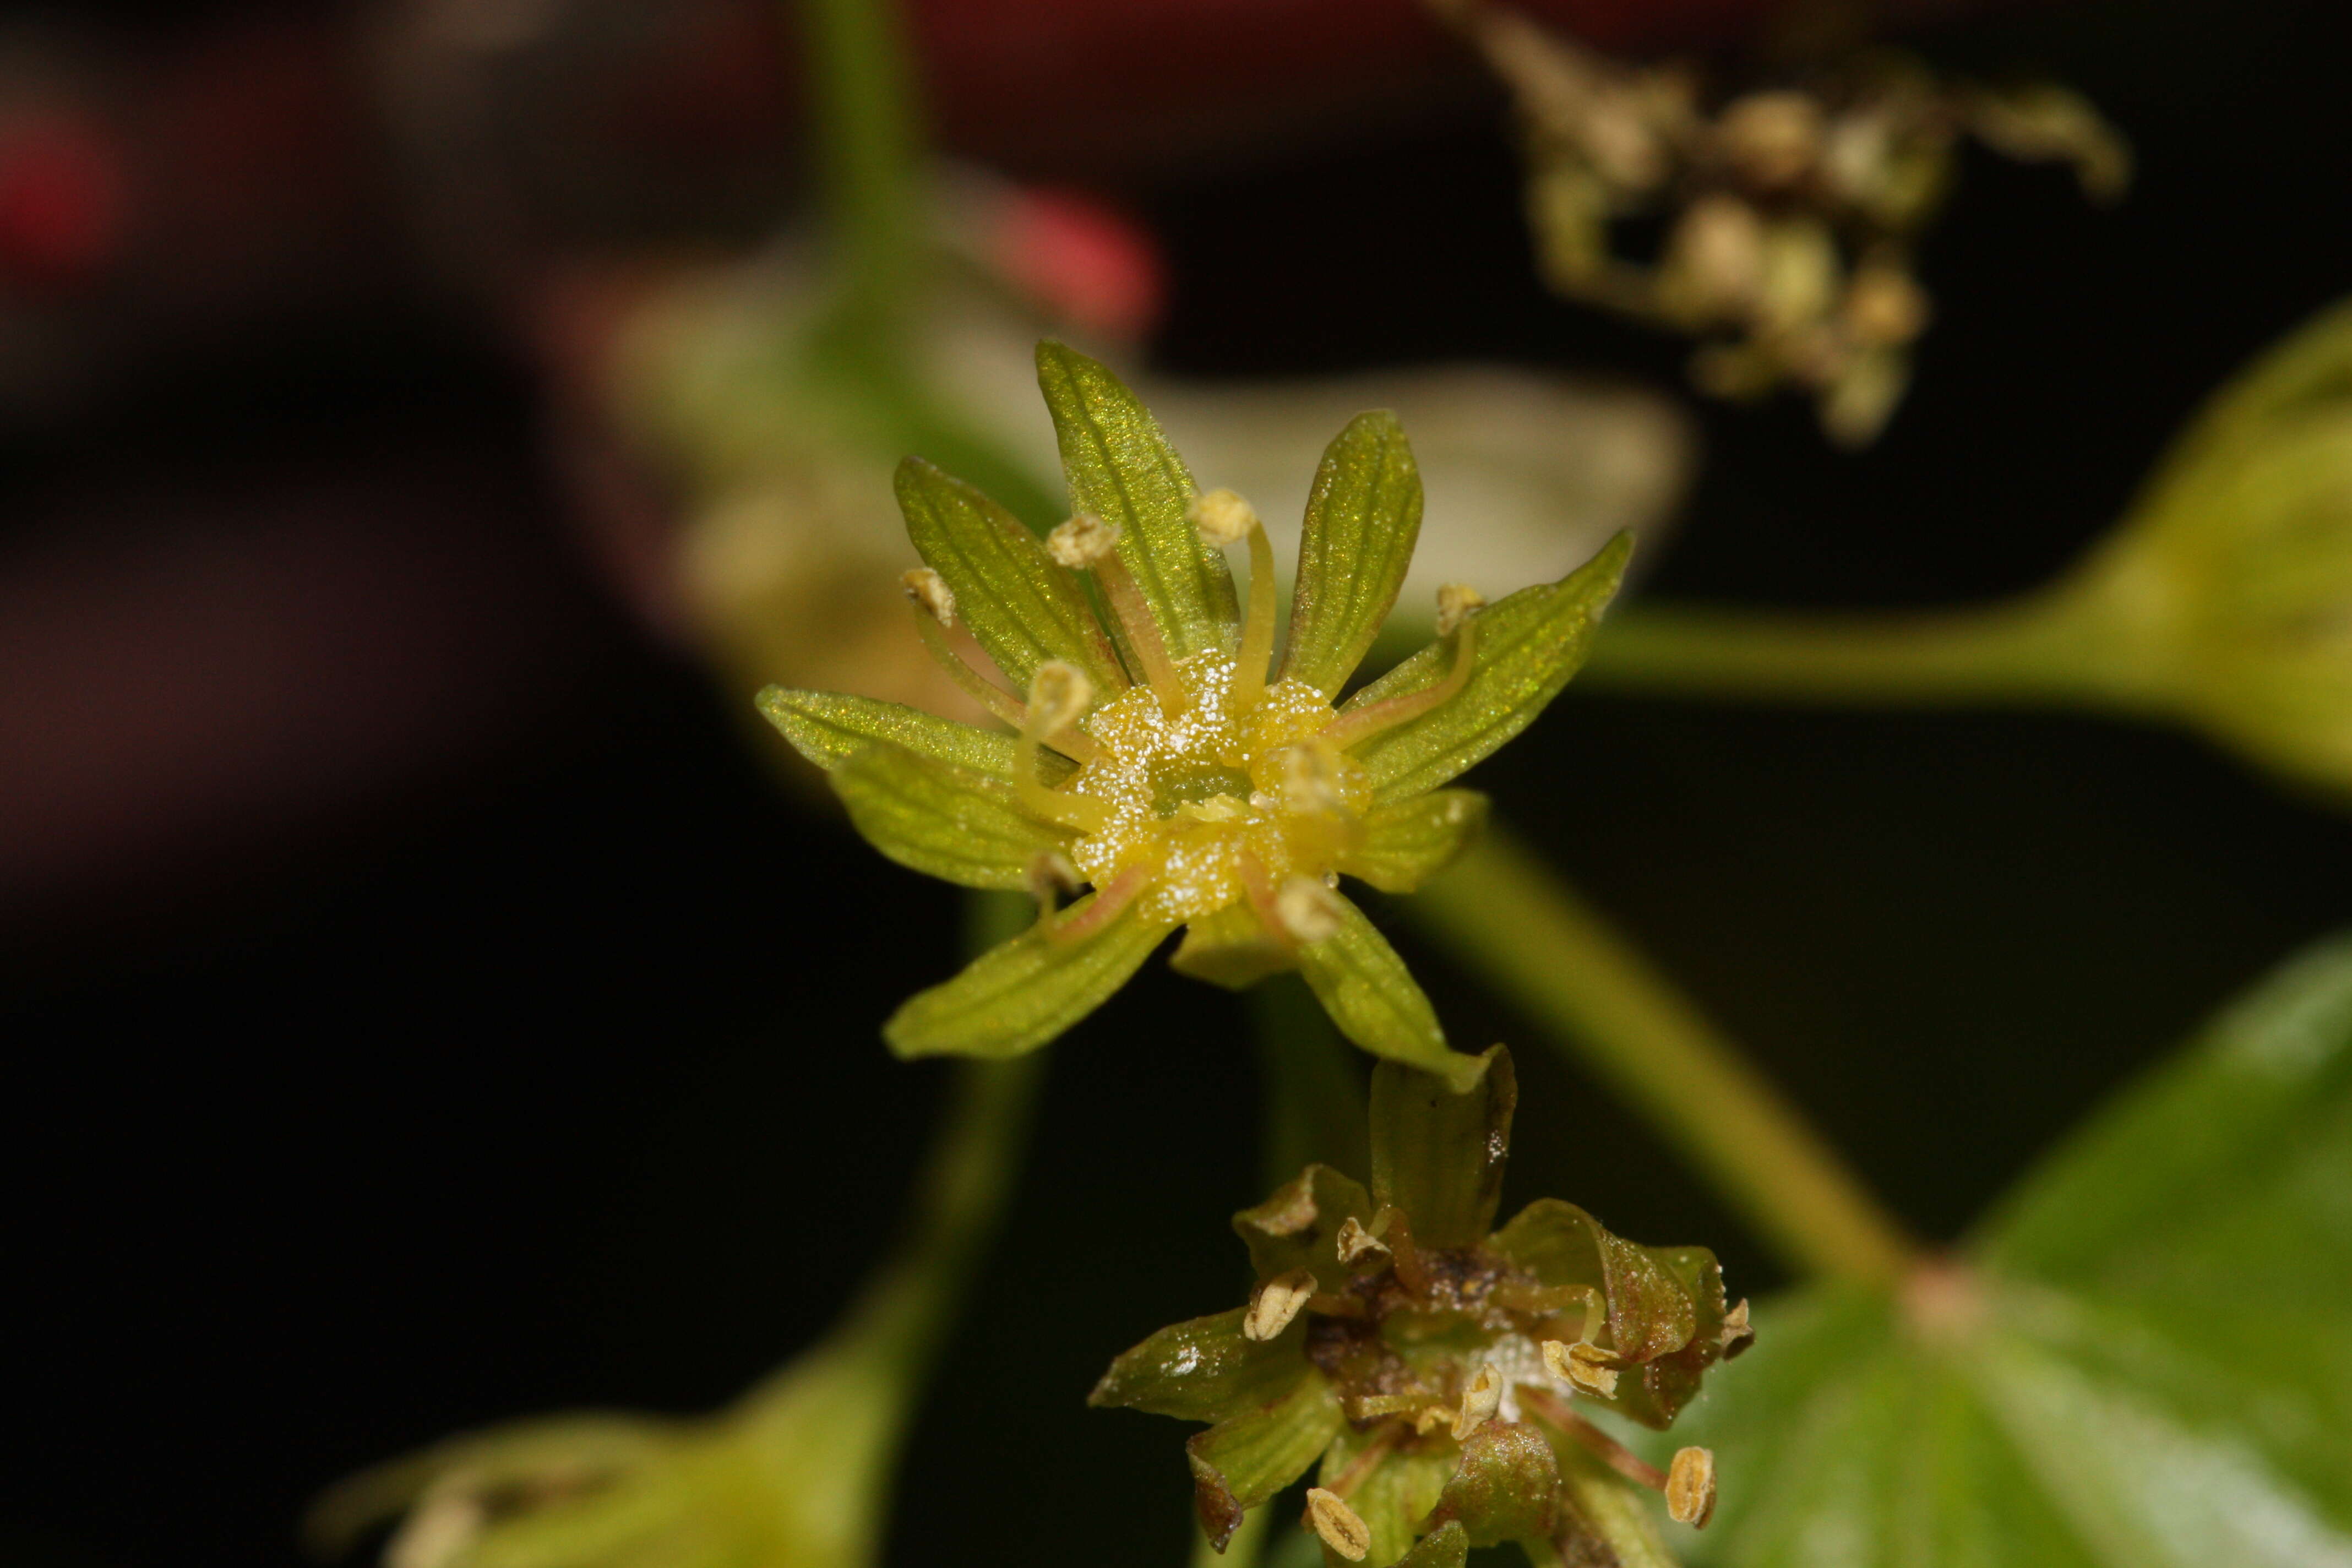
point(935, 817)
point(1123, 470)
point(1527, 646)
point(1238, 1464)
point(1395, 1495)
point(1372, 997)
point(1363, 519)
point(1204, 1369)
point(1438, 1152)
point(1021, 994)
point(829, 727)
point(1298, 1227)
point(1506, 1487)
point(1022, 608)
point(1232, 948)
point(1408, 841)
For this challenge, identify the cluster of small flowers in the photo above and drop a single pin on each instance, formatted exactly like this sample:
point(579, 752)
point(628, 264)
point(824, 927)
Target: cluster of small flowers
point(1790, 213)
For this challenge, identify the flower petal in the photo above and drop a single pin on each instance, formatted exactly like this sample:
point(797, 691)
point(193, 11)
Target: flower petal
point(944, 821)
point(1446, 1547)
point(1372, 997)
point(1298, 1227)
point(1408, 841)
point(1019, 994)
point(1438, 1152)
point(829, 727)
point(1527, 646)
point(1022, 607)
point(1395, 1495)
point(1507, 1488)
point(1204, 1369)
point(1238, 1464)
point(1123, 470)
point(1363, 519)
point(1232, 948)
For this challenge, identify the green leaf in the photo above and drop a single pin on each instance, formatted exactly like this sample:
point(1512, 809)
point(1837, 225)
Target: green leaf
point(1021, 606)
point(1438, 1152)
point(1527, 646)
point(1204, 1370)
point(1396, 1495)
point(1123, 470)
point(829, 727)
point(1370, 996)
point(1363, 517)
point(1016, 997)
point(1240, 1463)
point(1299, 1225)
point(2141, 1363)
point(942, 820)
point(1408, 841)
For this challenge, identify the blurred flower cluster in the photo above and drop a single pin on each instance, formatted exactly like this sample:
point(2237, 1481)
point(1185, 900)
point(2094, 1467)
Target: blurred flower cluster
point(1790, 213)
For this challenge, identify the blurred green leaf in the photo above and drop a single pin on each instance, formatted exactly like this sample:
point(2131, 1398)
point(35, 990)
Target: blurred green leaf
point(2140, 1362)
point(1363, 517)
point(1123, 470)
point(945, 821)
point(1527, 646)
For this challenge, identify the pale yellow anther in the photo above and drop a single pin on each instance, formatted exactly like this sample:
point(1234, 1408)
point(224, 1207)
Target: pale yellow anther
point(1479, 1400)
point(1737, 1334)
point(931, 595)
point(1059, 694)
point(1341, 1528)
point(1432, 1418)
point(1690, 1487)
point(1051, 874)
point(1581, 1366)
point(1081, 542)
point(1308, 779)
point(1223, 517)
point(1308, 911)
point(1276, 1303)
point(1456, 605)
point(441, 1529)
point(1358, 1245)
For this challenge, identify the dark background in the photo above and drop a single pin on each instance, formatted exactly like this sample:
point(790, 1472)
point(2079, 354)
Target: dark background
point(535, 1067)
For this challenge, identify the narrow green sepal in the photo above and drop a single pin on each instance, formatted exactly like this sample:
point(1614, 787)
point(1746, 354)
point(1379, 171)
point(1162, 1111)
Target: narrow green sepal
point(935, 817)
point(1394, 1495)
point(830, 727)
point(1528, 646)
point(1438, 1152)
point(1016, 997)
point(1123, 470)
point(1363, 518)
point(1021, 606)
point(1299, 1226)
point(1372, 997)
point(1240, 1463)
point(1664, 1304)
point(1204, 1369)
point(1232, 948)
point(1506, 1488)
point(1408, 841)
point(1446, 1547)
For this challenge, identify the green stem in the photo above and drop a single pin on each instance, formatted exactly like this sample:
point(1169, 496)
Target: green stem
point(2053, 648)
point(1509, 921)
point(869, 144)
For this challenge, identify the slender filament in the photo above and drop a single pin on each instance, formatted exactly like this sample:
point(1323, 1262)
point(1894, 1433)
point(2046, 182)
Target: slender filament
point(989, 695)
point(1142, 632)
point(1257, 627)
point(1366, 722)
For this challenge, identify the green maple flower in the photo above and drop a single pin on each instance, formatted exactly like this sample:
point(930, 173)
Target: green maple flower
point(1159, 754)
point(1432, 1364)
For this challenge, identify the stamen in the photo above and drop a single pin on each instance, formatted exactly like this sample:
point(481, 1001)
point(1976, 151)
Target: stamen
point(1737, 1335)
point(1222, 519)
point(1058, 696)
point(1340, 1526)
point(1583, 1367)
point(1086, 543)
point(1553, 1411)
point(1690, 1487)
point(1456, 603)
point(1365, 722)
point(935, 613)
point(1111, 900)
point(1049, 879)
point(1479, 1400)
point(1276, 1303)
point(1308, 911)
point(1367, 1458)
point(1356, 1244)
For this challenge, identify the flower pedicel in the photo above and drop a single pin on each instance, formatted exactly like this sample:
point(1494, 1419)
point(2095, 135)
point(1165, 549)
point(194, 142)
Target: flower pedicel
point(1160, 755)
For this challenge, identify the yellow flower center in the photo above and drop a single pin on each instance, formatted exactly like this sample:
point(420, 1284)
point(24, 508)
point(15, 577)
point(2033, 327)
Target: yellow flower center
point(1218, 795)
